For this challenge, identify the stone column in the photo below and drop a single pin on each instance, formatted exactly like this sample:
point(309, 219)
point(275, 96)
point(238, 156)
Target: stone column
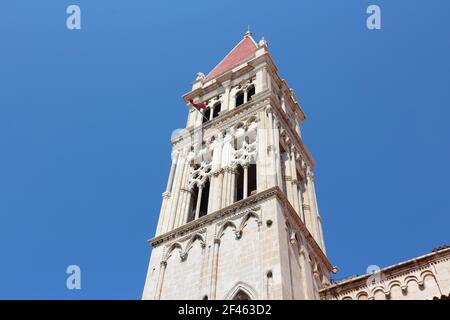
point(232, 186)
point(175, 192)
point(287, 177)
point(190, 120)
point(215, 178)
point(273, 154)
point(226, 160)
point(172, 169)
point(307, 213)
point(224, 194)
point(162, 213)
point(226, 96)
point(178, 193)
point(276, 144)
point(295, 197)
point(214, 192)
point(312, 206)
point(262, 151)
point(187, 206)
point(294, 181)
point(184, 193)
point(219, 190)
point(211, 113)
point(162, 270)
point(322, 240)
point(182, 207)
point(214, 268)
point(305, 275)
point(211, 198)
point(301, 202)
point(261, 79)
point(317, 218)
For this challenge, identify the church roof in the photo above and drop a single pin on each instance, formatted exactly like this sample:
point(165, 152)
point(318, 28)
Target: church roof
point(243, 51)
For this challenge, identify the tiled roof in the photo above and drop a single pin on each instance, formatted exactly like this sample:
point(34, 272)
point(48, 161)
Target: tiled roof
point(243, 51)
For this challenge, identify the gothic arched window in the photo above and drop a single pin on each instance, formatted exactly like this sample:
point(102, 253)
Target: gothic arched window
point(239, 98)
point(250, 93)
point(251, 185)
point(241, 295)
point(204, 200)
point(216, 109)
point(193, 204)
point(239, 181)
point(206, 115)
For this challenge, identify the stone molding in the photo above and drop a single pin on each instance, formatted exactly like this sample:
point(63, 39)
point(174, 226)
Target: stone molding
point(400, 274)
point(238, 210)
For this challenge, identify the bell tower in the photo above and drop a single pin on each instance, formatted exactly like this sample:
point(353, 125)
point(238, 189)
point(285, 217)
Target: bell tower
point(239, 216)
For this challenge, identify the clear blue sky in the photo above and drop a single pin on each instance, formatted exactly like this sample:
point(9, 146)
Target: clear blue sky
point(86, 117)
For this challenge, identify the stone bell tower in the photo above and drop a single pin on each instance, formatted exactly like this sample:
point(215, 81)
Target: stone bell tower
point(239, 217)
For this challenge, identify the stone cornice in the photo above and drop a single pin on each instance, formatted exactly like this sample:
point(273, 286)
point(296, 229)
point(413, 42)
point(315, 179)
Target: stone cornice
point(236, 208)
point(239, 207)
point(395, 271)
point(258, 102)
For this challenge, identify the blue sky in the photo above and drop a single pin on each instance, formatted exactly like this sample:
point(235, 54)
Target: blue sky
point(86, 117)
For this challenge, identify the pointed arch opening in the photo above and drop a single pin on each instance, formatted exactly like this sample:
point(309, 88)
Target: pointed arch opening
point(192, 203)
point(251, 186)
point(250, 92)
point(241, 295)
point(241, 291)
point(204, 200)
point(207, 115)
point(239, 98)
point(239, 183)
point(216, 110)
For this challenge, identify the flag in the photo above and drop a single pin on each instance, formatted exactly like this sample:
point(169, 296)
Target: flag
point(199, 106)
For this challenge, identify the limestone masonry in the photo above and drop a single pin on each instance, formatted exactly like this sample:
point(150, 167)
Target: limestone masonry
point(239, 216)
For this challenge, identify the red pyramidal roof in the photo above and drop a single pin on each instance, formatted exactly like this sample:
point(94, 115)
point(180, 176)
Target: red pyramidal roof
point(243, 51)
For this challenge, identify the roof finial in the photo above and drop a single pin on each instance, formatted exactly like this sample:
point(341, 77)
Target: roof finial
point(248, 33)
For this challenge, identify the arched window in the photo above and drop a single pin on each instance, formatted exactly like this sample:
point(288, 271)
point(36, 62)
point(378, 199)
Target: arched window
point(216, 109)
point(199, 207)
point(251, 186)
point(239, 98)
point(204, 200)
point(192, 204)
point(206, 115)
point(241, 295)
point(250, 93)
point(245, 181)
point(239, 181)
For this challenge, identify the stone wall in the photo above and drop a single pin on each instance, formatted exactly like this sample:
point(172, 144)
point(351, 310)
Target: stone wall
point(423, 278)
point(246, 248)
